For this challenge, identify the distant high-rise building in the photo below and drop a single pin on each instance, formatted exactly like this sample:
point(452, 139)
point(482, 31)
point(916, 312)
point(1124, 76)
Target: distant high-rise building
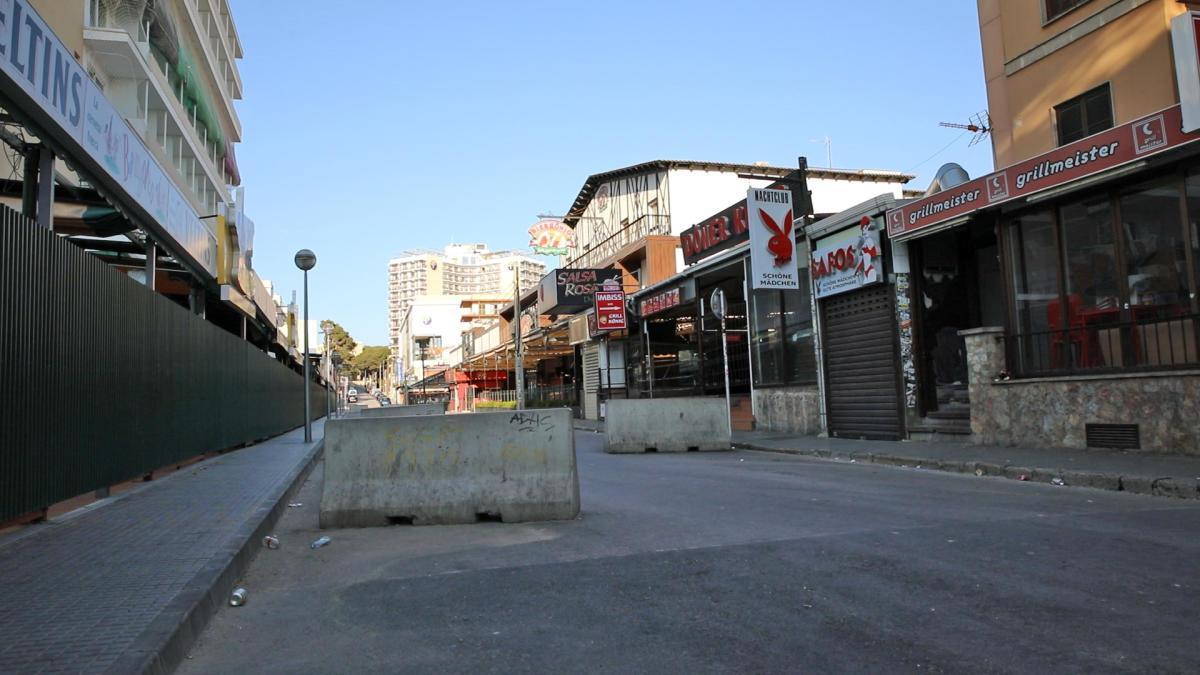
point(460, 269)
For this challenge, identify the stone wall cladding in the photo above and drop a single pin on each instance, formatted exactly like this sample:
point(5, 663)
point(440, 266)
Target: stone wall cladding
point(793, 410)
point(1054, 412)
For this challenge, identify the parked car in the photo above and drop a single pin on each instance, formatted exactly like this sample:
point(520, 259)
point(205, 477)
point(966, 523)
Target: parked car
point(383, 400)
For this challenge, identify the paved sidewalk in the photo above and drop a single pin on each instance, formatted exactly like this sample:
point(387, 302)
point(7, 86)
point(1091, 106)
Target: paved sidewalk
point(126, 584)
point(1143, 473)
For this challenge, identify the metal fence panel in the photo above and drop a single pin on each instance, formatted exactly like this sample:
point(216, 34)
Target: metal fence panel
point(104, 380)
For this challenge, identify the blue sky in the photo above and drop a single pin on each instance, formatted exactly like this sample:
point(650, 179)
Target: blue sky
point(374, 126)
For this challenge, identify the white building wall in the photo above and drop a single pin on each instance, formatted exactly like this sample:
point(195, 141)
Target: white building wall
point(835, 196)
point(696, 195)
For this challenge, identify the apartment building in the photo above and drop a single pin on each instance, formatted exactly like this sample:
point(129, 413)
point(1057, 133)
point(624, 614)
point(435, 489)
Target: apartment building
point(458, 270)
point(126, 125)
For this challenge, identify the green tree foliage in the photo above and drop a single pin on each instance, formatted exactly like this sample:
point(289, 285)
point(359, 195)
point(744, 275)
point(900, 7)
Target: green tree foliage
point(340, 341)
point(371, 361)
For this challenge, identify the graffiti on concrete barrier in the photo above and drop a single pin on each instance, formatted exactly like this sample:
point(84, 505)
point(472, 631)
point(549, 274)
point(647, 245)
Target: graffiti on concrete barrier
point(532, 421)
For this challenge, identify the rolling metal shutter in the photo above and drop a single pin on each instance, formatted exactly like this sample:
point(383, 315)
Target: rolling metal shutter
point(861, 369)
point(591, 381)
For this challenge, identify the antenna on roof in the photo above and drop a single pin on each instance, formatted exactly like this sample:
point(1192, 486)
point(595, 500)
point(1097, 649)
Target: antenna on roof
point(828, 143)
point(980, 125)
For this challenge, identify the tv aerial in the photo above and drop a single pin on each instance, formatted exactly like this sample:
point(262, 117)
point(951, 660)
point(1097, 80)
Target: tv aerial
point(980, 124)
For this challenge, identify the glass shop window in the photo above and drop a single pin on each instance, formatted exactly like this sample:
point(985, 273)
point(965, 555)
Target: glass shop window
point(1035, 272)
point(1155, 253)
point(782, 336)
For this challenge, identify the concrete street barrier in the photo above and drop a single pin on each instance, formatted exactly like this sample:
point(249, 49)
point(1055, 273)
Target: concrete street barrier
point(666, 425)
point(405, 410)
point(513, 466)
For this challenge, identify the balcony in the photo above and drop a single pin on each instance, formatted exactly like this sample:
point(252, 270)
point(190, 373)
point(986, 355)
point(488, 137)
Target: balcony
point(140, 92)
point(599, 253)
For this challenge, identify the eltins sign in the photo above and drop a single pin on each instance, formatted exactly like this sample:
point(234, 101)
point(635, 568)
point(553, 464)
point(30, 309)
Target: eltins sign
point(846, 261)
point(42, 79)
point(772, 240)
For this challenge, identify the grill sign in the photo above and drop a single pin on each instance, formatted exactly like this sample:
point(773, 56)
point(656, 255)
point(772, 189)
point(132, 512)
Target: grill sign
point(610, 308)
point(1091, 155)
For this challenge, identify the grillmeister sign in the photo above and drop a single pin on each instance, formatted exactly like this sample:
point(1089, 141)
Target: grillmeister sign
point(1103, 151)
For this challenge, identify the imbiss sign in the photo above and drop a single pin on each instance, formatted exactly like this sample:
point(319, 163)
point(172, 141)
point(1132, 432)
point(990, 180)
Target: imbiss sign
point(610, 307)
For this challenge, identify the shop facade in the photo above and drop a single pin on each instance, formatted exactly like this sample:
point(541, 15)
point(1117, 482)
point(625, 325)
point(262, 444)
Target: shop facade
point(860, 290)
point(1073, 287)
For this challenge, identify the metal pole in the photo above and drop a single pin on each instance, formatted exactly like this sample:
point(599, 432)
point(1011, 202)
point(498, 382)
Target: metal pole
point(152, 265)
point(649, 357)
point(328, 365)
point(520, 349)
point(307, 367)
point(725, 358)
point(45, 189)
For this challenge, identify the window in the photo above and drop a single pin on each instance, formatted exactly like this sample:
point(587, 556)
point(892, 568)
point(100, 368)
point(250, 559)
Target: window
point(1056, 8)
point(1119, 294)
point(783, 337)
point(1084, 115)
point(1155, 253)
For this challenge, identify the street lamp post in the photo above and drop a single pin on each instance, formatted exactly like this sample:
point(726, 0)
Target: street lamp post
point(306, 260)
point(327, 329)
point(336, 361)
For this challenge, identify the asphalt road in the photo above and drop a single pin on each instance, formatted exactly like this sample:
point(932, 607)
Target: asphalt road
point(738, 561)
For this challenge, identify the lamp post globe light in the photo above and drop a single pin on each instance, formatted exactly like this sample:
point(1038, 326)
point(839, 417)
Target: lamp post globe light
point(306, 260)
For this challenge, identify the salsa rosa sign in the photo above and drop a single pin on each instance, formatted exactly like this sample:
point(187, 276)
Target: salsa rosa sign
point(846, 261)
point(566, 291)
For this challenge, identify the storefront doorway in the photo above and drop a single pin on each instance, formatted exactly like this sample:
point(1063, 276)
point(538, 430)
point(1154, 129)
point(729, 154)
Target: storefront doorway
point(957, 285)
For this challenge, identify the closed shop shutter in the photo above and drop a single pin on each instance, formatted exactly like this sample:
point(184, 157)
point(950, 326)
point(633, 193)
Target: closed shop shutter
point(861, 369)
point(591, 381)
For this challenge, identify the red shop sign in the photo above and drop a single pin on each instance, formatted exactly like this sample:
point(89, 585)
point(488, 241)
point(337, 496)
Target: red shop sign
point(1103, 151)
point(610, 310)
point(657, 303)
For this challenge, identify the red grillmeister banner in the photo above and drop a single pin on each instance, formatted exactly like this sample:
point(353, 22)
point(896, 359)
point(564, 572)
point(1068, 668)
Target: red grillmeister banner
point(1100, 152)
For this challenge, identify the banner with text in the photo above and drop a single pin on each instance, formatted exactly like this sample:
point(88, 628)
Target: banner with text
point(846, 261)
point(772, 239)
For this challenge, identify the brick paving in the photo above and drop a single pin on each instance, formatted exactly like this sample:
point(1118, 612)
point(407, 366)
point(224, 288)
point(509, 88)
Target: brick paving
point(105, 587)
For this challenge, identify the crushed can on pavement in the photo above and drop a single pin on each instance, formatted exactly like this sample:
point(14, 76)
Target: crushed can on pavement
point(237, 598)
point(323, 541)
point(295, 505)
point(270, 541)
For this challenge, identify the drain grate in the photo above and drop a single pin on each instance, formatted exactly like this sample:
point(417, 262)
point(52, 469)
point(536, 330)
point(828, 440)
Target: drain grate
point(1118, 436)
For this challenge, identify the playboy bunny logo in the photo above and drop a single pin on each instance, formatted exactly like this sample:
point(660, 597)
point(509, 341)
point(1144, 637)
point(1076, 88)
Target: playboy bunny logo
point(780, 244)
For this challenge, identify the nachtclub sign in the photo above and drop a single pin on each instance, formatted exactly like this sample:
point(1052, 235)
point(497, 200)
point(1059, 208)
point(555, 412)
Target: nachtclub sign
point(1106, 150)
point(772, 239)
